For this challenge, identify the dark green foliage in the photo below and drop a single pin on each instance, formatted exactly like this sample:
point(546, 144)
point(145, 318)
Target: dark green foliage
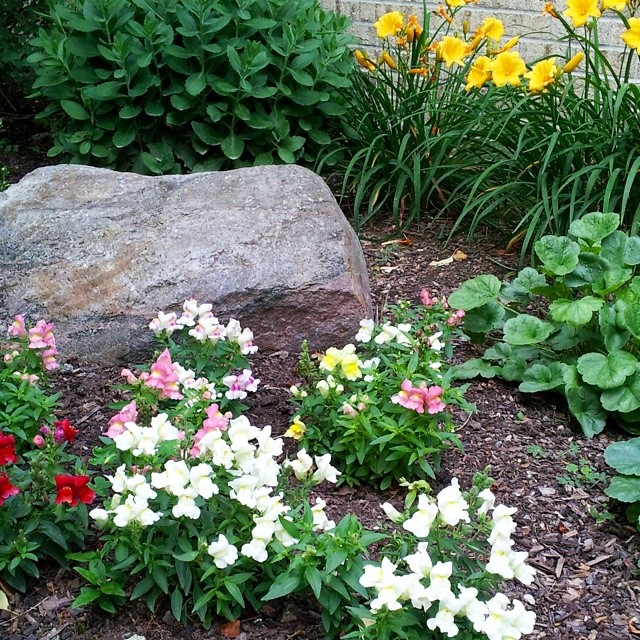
point(160, 86)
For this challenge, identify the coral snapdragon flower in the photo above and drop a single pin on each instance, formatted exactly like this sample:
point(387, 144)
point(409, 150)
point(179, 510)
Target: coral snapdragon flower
point(417, 398)
point(7, 449)
point(73, 489)
point(6, 488)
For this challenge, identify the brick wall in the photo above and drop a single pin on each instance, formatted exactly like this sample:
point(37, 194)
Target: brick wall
point(539, 34)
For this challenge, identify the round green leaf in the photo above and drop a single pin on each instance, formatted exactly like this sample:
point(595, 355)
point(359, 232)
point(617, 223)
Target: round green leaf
point(585, 406)
point(631, 255)
point(631, 317)
point(624, 398)
point(595, 226)
point(524, 329)
point(624, 488)
point(528, 279)
point(575, 312)
point(559, 254)
point(607, 372)
point(614, 247)
point(475, 292)
point(624, 457)
point(485, 318)
point(540, 377)
point(474, 368)
point(611, 280)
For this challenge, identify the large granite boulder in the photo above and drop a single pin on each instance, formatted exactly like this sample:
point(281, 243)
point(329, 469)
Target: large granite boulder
point(100, 253)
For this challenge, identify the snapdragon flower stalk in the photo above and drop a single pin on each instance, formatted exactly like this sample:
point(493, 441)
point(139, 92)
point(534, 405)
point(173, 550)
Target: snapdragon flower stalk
point(460, 548)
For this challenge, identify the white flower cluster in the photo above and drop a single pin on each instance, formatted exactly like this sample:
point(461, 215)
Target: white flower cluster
point(203, 325)
point(241, 462)
point(428, 583)
point(388, 333)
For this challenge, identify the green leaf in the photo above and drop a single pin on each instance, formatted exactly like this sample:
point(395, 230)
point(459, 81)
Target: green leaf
point(484, 318)
point(232, 146)
point(585, 405)
point(475, 292)
point(540, 377)
point(591, 267)
point(614, 337)
point(624, 488)
point(474, 368)
point(624, 457)
point(624, 398)
point(611, 280)
point(196, 84)
point(176, 604)
point(614, 247)
point(282, 586)
point(312, 576)
point(631, 255)
point(575, 312)
point(525, 329)
point(631, 317)
point(595, 226)
point(528, 279)
point(606, 372)
point(75, 110)
point(559, 254)
point(87, 596)
point(208, 134)
point(124, 136)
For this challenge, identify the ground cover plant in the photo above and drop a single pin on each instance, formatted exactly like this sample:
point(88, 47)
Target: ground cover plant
point(383, 408)
point(157, 86)
point(569, 327)
point(451, 119)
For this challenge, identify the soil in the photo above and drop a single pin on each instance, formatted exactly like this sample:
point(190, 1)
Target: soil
point(587, 586)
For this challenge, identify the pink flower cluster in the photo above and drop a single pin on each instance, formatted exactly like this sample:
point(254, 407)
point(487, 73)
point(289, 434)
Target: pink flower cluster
point(428, 301)
point(216, 421)
point(164, 377)
point(455, 318)
point(128, 413)
point(240, 384)
point(40, 337)
point(417, 398)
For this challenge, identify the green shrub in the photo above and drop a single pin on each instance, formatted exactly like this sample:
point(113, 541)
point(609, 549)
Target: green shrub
point(18, 23)
point(573, 327)
point(160, 86)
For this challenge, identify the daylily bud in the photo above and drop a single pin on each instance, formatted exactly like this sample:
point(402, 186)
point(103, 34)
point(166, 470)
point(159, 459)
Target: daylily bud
point(573, 63)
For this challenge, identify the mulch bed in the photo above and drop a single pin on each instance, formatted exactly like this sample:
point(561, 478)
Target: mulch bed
point(586, 587)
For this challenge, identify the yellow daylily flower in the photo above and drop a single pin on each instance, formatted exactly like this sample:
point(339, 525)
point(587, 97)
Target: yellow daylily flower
point(541, 75)
point(451, 50)
point(573, 63)
point(581, 10)
point(491, 28)
point(631, 37)
point(389, 24)
point(507, 68)
point(479, 73)
point(456, 3)
point(549, 10)
point(296, 430)
point(414, 28)
point(618, 5)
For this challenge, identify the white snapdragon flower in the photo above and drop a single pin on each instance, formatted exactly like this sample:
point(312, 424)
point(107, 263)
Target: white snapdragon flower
point(186, 506)
point(324, 469)
point(266, 470)
point(414, 590)
point(164, 322)
point(488, 501)
point(503, 524)
point(245, 340)
point(323, 387)
point(439, 585)
point(196, 310)
point(391, 512)
point(386, 583)
point(475, 610)
point(241, 432)
point(452, 506)
point(128, 439)
point(233, 329)
point(186, 377)
point(242, 489)
point(138, 485)
point(444, 620)
point(520, 621)
point(368, 367)
point(522, 572)
point(101, 516)
point(200, 480)
point(434, 342)
point(420, 522)
point(134, 509)
point(147, 442)
point(282, 535)
point(497, 620)
point(174, 478)
point(365, 333)
point(165, 430)
point(267, 445)
point(499, 559)
point(223, 553)
point(320, 520)
point(388, 333)
point(301, 465)
point(420, 561)
point(402, 337)
point(119, 479)
point(256, 550)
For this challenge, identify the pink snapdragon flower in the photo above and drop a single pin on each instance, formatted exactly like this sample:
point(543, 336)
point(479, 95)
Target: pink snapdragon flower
point(164, 377)
point(41, 336)
point(456, 318)
point(49, 358)
point(128, 413)
point(240, 384)
point(215, 421)
point(18, 327)
point(417, 398)
point(426, 299)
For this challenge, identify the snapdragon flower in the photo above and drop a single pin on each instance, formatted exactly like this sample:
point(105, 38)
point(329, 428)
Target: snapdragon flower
point(240, 384)
point(452, 506)
point(135, 509)
point(320, 520)
point(386, 583)
point(301, 465)
point(444, 620)
point(164, 323)
point(420, 522)
point(439, 585)
point(224, 554)
point(324, 469)
point(365, 333)
point(420, 561)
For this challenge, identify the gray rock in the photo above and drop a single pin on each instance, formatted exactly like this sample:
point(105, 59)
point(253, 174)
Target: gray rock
point(100, 253)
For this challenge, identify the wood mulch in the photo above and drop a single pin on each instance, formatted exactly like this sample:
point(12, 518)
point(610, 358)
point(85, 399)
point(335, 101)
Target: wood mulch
point(587, 586)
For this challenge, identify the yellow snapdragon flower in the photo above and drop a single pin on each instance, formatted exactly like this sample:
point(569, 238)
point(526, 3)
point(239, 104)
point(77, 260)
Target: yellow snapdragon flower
point(296, 430)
